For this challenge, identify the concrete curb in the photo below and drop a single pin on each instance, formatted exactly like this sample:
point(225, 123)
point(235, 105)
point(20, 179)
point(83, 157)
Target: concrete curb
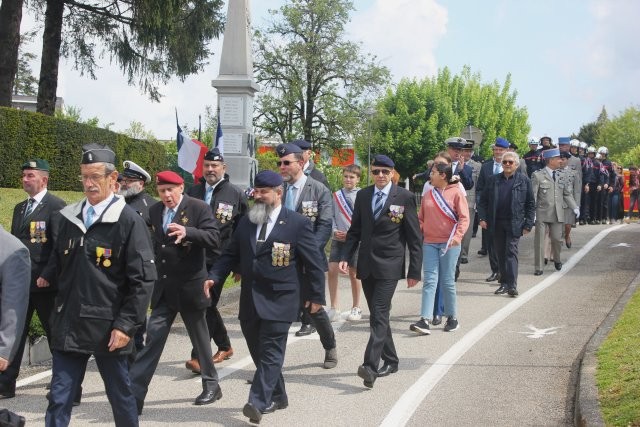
point(587, 405)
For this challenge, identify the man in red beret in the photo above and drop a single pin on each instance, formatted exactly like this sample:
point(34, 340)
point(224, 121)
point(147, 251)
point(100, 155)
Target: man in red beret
point(183, 229)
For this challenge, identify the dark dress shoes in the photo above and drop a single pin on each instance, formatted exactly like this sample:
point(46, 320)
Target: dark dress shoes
point(558, 265)
point(482, 252)
point(513, 292)
point(305, 330)
point(7, 391)
point(493, 277)
point(209, 396)
point(387, 369)
point(252, 413)
point(368, 375)
point(275, 406)
point(538, 273)
point(546, 261)
point(501, 290)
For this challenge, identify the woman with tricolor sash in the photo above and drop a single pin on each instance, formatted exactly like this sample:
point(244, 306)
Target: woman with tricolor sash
point(444, 218)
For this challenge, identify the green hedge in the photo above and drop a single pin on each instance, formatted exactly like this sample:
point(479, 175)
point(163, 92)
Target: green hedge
point(25, 135)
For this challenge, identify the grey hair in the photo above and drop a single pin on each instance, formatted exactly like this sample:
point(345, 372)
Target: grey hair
point(513, 155)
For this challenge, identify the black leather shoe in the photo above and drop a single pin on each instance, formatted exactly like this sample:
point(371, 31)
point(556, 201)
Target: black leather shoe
point(305, 330)
point(482, 252)
point(538, 273)
point(387, 369)
point(252, 413)
point(368, 375)
point(493, 277)
point(436, 320)
point(513, 292)
point(558, 265)
point(546, 261)
point(501, 290)
point(275, 406)
point(208, 396)
point(7, 392)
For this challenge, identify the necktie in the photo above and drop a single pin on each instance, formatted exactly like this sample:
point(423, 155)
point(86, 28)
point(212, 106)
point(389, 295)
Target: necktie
point(554, 175)
point(30, 206)
point(496, 168)
point(207, 197)
point(88, 219)
point(291, 198)
point(261, 236)
point(168, 218)
point(378, 205)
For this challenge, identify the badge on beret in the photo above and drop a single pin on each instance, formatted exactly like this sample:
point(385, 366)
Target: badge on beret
point(282, 149)
point(32, 164)
point(396, 213)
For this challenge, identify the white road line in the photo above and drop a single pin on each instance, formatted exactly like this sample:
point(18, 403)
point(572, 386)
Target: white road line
point(407, 404)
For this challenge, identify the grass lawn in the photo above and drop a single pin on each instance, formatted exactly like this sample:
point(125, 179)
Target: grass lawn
point(618, 371)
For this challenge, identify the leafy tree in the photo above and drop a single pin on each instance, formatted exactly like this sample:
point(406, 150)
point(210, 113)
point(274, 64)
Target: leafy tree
point(149, 40)
point(10, 19)
point(315, 83)
point(74, 114)
point(137, 130)
point(621, 135)
point(589, 132)
point(25, 83)
point(415, 118)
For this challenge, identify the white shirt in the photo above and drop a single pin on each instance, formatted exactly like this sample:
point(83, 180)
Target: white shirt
point(271, 221)
point(97, 209)
point(38, 198)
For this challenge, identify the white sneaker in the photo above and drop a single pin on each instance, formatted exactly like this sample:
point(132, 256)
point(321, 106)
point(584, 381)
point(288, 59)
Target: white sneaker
point(334, 314)
point(355, 314)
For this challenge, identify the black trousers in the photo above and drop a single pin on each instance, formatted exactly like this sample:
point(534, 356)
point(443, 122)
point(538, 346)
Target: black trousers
point(487, 242)
point(42, 303)
point(319, 319)
point(215, 324)
point(378, 293)
point(505, 245)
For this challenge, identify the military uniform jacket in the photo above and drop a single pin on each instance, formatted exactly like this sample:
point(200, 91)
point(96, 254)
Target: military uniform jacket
point(533, 160)
point(574, 164)
point(268, 291)
point(471, 193)
point(181, 267)
point(551, 197)
point(105, 277)
point(315, 203)
point(228, 204)
point(35, 232)
point(383, 241)
point(141, 203)
point(573, 182)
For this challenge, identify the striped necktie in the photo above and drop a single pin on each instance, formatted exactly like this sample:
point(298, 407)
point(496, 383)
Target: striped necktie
point(378, 205)
point(30, 205)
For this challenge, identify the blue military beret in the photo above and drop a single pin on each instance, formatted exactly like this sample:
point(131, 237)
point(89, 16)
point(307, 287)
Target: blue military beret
point(96, 153)
point(286, 149)
point(267, 178)
point(551, 152)
point(302, 143)
point(501, 142)
point(214, 155)
point(382, 160)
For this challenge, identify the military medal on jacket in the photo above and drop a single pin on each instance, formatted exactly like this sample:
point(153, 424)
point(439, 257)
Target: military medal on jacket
point(396, 213)
point(310, 209)
point(224, 212)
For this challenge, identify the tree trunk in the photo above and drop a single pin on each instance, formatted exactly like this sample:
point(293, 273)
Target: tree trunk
point(51, 40)
point(10, 19)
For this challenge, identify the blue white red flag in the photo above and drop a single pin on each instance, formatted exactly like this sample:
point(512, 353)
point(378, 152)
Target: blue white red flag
point(219, 139)
point(190, 153)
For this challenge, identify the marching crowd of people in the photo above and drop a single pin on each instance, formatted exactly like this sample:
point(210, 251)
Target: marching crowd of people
point(92, 269)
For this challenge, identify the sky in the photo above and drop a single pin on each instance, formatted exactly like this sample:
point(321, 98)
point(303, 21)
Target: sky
point(567, 59)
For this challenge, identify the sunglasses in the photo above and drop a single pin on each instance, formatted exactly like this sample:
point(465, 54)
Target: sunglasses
point(508, 162)
point(380, 171)
point(284, 162)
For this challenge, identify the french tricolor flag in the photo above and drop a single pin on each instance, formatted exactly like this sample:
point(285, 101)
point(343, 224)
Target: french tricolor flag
point(190, 154)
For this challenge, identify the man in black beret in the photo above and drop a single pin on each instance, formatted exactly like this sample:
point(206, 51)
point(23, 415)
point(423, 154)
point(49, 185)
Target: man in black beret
point(384, 225)
point(104, 265)
point(229, 204)
point(270, 245)
point(309, 168)
point(32, 221)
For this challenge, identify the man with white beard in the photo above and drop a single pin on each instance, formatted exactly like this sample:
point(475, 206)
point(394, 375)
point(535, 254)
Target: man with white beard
point(132, 189)
point(268, 247)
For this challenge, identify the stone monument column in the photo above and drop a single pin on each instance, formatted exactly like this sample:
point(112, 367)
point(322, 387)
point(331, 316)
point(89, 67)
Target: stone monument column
point(236, 90)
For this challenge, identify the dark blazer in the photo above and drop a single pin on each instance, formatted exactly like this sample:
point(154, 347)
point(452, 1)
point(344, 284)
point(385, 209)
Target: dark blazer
point(267, 291)
point(486, 172)
point(523, 205)
point(181, 267)
point(383, 241)
point(141, 203)
point(466, 176)
point(38, 250)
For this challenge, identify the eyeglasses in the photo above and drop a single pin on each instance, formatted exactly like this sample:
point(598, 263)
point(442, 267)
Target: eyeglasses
point(380, 171)
point(508, 162)
point(284, 162)
point(92, 178)
point(129, 181)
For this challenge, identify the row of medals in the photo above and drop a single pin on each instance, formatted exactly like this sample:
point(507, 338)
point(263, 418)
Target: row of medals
point(224, 215)
point(103, 252)
point(311, 212)
point(38, 231)
point(280, 254)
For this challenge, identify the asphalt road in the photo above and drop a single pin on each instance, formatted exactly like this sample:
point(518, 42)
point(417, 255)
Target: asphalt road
point(513, 361)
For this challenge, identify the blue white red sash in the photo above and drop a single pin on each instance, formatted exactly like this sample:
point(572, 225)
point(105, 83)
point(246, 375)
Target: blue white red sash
point(447, 212)
point(344, 205)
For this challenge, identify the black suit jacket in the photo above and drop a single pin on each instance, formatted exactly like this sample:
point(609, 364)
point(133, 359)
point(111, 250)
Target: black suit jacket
point(486, 172)
point(383, 241)
point(267, 291)
point(38, 250)
point(181, 267)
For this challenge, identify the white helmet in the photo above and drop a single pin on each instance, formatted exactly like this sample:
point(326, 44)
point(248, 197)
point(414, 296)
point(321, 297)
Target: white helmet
point(583, 145)
point(574, 143)
point(603, 150)
point(598, 156)
point(591, 149)
point(533, 141)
